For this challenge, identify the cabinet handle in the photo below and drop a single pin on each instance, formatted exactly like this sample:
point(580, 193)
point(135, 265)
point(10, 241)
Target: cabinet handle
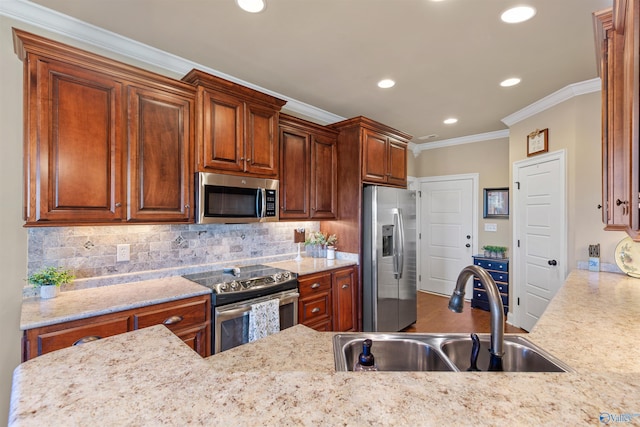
point(315, 310)
point(248, 159)
point(118, 204)
point(345, 286)
point(315, 286)
point(85, 340)
point(172, 320)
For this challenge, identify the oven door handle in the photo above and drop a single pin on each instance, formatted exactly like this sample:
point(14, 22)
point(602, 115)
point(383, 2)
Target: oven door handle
point(235, 310)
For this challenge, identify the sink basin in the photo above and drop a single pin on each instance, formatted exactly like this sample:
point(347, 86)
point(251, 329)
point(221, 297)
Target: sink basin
point(391, 353)
point(440, 352)
point(520, 355)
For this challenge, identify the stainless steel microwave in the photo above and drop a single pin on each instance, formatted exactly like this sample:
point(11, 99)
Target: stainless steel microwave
point(234, 199)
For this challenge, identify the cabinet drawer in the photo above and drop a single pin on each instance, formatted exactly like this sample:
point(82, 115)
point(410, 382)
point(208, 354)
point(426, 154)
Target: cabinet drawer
point(174, 316)
point(315, 309)
point(50, 340)
point(314, 284)
point(503, 288)
point(482, 296)
point(490, 264)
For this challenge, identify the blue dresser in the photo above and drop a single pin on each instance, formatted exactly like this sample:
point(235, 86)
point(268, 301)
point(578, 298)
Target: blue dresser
point(498, 268)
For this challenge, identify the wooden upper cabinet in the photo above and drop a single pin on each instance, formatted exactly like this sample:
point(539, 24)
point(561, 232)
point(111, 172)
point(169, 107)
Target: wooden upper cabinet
point(236, 127)
point(374, 157)
point(295, 166)
point(73, 144)
point(308, 170)
point(617, 35)
point(221, 139)
point(383, 150)
point(159, 131)
point(105, 142)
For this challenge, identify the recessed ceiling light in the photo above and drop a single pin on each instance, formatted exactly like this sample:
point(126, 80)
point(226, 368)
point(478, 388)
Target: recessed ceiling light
point(510, 82)
point(253, 6)
point(450, 121)
point(386, 83)
point(518, 14)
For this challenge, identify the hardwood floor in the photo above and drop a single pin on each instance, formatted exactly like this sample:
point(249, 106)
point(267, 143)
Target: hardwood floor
point(435, 316)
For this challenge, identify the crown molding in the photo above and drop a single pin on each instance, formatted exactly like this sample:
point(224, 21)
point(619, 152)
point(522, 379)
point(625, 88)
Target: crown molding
point(564, 94)
point(487, 136)
point(64, 25)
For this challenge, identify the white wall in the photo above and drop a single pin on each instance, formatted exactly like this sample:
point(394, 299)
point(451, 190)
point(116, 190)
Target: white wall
point(13, 238)
point(574, 126)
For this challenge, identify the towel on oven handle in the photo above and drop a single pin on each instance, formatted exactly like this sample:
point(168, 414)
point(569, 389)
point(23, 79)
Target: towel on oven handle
point(264, 319)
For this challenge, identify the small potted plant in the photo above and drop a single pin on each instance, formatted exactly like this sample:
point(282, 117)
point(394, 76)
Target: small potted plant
point(49, 280)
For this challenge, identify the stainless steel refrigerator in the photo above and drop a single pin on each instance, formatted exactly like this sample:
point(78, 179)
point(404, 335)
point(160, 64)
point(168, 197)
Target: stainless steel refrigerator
point(389, 259)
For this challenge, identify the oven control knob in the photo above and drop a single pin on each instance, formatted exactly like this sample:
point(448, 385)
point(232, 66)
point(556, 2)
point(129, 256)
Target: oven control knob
point(234, 285)
point(277, 277)
point(286, 275)
point(223, 287)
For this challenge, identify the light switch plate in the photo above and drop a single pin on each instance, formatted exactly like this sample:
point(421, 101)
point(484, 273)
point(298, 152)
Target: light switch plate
point(490, 227)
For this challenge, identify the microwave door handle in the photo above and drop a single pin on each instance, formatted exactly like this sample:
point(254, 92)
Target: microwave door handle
point(261, 202)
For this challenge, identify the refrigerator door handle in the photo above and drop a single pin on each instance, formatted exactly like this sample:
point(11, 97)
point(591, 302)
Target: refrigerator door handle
point(398, 244)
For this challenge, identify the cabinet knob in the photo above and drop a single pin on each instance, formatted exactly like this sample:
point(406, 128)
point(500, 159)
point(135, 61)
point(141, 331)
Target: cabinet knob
point(315, 310)
point(315, 286)
point(345, 286)
point(118, 204)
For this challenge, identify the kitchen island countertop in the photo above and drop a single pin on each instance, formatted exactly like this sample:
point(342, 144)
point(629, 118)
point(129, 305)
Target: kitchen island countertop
point(149, 377)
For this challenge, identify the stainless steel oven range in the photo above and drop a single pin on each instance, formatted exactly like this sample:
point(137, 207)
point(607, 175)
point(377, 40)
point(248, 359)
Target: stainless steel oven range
point(235, 290)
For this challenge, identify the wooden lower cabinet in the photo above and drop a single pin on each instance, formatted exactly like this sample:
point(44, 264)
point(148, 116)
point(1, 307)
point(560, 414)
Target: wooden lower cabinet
point(189, 319)
point(344, 295)
point(328, 300)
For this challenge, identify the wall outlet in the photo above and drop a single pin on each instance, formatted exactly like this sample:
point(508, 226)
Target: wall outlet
point(490, 227)
point(123, 252)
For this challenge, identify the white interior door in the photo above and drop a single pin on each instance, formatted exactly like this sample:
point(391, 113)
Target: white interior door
point(540, 235)
point(447, 231)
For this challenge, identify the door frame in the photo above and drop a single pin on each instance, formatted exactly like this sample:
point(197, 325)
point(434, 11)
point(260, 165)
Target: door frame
point(514, 317)
point(475, 178)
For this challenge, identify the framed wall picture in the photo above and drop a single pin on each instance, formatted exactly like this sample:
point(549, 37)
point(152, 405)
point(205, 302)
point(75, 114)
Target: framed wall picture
point(496, 203)
point(537, 142)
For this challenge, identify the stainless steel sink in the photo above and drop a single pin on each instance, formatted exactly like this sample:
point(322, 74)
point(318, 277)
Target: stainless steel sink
point(440, 352)
point(520, 355)
point(392, 353)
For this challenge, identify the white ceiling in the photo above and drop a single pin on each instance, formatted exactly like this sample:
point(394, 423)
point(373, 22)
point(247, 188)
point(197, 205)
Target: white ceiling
point(447, 57)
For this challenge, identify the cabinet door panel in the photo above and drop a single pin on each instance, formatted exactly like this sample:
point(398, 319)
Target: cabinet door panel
point(79, 125)
point(374, 158)
point(222, 144)
point(323, 190)
point(344, 299)
point(294, 179)
point(159, 164)
point(261, 145)
point(397, 163)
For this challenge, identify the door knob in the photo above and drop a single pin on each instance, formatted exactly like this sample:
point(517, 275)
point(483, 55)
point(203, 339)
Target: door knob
point(468, 245)
point(552, 262)
point(468, 237)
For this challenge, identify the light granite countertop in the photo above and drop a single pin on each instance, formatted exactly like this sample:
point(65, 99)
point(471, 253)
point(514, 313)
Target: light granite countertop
point(149, 377)
point(311, 265)
point(83, 303)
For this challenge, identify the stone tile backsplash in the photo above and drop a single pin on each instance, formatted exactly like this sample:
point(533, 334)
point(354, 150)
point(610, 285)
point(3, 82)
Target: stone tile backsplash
point(157, 250)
